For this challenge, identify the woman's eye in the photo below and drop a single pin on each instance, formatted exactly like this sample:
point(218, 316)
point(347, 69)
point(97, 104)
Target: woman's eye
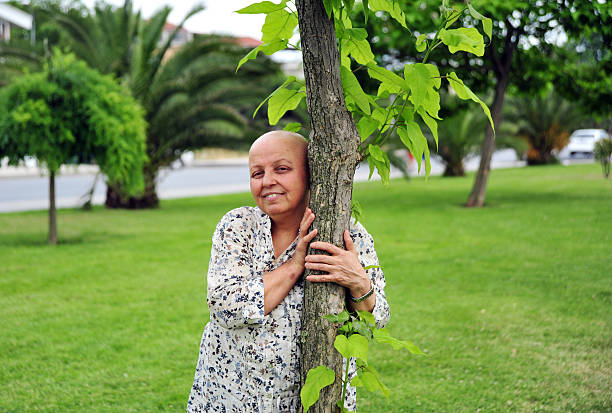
point(283, 169)
point(256, 174)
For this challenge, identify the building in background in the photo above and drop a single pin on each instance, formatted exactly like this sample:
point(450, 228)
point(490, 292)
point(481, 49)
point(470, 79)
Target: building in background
point(10, 15)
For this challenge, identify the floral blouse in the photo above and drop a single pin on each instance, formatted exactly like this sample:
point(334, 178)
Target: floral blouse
point(248, 361)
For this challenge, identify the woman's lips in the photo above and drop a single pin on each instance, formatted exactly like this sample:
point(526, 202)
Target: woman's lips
point(272, 196)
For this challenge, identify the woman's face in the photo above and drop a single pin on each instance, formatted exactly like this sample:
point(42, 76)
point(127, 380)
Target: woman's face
point(278, 177)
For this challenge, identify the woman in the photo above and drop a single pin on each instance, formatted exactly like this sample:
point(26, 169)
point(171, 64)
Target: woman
point(249, 352)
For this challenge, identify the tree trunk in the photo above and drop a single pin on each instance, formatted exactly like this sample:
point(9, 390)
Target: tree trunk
point(477, 196)
point(454, 168)
point(115, 198)
point(52, 212)
point(333, 156)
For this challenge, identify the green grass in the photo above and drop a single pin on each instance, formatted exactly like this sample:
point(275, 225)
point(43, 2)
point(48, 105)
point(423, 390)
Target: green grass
point(512, 303)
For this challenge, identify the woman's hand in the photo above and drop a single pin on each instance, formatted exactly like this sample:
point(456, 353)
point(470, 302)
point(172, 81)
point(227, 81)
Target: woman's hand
point(342, 266)
point(304, 239)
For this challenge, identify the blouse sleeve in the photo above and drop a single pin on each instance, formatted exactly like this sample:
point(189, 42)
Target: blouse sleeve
point(364, 243)
point(235, 289)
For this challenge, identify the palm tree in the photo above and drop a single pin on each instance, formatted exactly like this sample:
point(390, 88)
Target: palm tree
point(17, 58)
point(544, 122)
point(104, 39)
point(195, 100)
point(192, 97)
point(458, 137)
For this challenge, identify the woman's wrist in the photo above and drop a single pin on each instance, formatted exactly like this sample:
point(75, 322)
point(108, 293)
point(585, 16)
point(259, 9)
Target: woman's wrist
point(363, 289)
point(296, 270)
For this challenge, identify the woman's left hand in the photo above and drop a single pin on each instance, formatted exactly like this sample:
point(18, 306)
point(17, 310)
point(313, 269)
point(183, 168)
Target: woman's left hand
point(342, 266)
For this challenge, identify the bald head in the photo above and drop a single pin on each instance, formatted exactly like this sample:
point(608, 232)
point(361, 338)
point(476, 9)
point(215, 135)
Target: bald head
point(281, 136)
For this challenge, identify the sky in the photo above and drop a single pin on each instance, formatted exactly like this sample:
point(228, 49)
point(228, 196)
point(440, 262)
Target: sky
point(218, 16)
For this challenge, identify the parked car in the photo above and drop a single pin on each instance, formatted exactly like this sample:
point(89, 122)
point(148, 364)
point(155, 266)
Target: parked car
point(582, 142)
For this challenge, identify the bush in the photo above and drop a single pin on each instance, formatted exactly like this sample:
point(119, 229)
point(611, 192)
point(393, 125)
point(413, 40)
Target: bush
point(603, 152)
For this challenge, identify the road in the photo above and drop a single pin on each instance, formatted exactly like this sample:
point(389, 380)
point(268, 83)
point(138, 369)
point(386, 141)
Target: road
point(29, 191)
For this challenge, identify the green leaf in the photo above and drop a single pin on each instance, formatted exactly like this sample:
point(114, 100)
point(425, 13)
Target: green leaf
point(345, 61)
point(380, 115)
point(384, 169)
point(316, 379)
point(362, 328)
point(368, 378)
point(379, 159)
point(287, 82)
point(332, 6)
point(393, 82)
point(346, 329)
point(348, 5)
point(487, 24)
point(366, 315)
point(423, 80)
point(341, 318)
point(421, 42)
point(454, 14)
point(355, 44)
point(464, 93)
point(366, 126)
point(390, 6)
point(467, 39)
point(371, 165)
point(356, 210)
point(357, 34)
point(376, 152)
point(283, 101)
point(412, 137)
point(353, 89)
point(381, 335)
point(293, 127)
point(354, 346)
point(279, 25)
point(327, 4)
point(266, 48)
point(364, 3)
point(262, 7)
point(420, 144)
point(430, 122)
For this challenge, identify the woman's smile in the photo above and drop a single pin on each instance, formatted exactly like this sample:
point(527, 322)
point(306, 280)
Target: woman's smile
point(272, 196)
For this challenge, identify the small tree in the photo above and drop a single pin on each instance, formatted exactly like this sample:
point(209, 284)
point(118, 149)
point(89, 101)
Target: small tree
point(603, 153)
point(71, 110)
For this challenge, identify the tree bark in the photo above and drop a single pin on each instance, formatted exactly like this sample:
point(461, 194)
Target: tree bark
point(115, 198)
point(333, 156)
point(477, 196)
point(52, 211)
point(454, 168)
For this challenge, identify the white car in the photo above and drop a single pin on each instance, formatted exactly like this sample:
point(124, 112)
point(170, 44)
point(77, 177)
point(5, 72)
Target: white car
point(582, 142)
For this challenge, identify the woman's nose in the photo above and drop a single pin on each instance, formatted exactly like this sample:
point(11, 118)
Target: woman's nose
point(268, 179)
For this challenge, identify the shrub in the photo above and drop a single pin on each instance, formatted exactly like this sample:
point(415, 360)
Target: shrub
point(603, 152)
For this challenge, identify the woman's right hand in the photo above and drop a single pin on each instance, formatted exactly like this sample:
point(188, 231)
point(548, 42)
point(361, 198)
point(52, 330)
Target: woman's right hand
point(304, 238)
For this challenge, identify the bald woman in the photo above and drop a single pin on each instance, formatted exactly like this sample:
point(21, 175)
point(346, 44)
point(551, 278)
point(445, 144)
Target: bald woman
point(249, 353)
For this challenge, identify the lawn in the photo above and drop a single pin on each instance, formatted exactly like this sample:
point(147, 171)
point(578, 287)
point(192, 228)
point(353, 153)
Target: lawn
point(512, 303)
